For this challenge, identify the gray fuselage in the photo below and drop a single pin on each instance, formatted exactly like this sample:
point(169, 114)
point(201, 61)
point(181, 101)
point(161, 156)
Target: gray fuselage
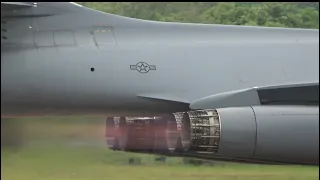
point(46, 67)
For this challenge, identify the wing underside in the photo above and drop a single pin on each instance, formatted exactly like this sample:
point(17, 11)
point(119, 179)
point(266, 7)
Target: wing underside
point(289, 94)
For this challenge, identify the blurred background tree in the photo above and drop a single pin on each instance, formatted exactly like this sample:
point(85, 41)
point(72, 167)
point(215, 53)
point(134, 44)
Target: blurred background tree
point(272, 14)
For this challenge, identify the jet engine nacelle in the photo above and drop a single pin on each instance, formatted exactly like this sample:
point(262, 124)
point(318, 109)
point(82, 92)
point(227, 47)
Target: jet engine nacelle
point(287, 134)
point(262, 134)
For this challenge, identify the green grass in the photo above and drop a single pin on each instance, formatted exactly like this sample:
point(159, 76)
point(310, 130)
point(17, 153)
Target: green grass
point(47, 153)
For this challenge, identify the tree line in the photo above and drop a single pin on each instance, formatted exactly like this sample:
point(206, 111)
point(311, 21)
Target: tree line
point(271, 14)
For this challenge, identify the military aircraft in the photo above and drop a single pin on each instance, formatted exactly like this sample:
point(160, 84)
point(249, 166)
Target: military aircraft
point(224, 92)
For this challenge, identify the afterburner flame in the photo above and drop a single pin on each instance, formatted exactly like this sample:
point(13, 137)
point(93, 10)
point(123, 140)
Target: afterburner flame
point(179, 132)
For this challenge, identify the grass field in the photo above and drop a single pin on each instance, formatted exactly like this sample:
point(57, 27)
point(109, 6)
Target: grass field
point(63, 149)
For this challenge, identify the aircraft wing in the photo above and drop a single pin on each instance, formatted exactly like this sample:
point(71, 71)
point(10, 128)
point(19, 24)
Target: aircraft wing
point(288, 94)
point(285, 94)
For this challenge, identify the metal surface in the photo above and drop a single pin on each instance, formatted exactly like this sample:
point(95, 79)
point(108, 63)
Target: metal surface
point(288, 133)
point(205, 131)
point(59, 58)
